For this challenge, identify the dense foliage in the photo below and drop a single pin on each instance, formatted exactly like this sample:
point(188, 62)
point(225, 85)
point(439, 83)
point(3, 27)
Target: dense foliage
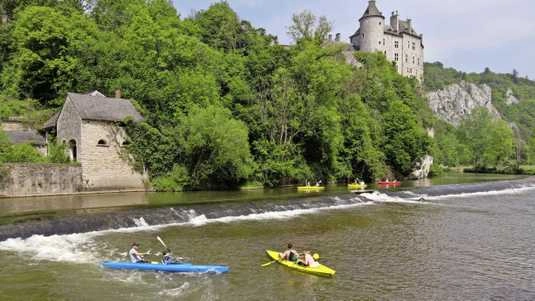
point(223, 102)
point(504, 144)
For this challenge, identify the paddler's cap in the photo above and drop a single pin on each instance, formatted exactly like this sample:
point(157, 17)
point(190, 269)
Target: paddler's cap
point(316, 256)
point(135, 244)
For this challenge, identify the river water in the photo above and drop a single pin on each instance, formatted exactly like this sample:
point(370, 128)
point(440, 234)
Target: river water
point(445, 242)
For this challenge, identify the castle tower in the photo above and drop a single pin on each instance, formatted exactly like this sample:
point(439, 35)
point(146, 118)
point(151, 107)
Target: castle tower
point(398, 41)
point(372, 29)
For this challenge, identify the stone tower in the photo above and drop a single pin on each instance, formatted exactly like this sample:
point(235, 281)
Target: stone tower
point(398, 41)
point(372, 29)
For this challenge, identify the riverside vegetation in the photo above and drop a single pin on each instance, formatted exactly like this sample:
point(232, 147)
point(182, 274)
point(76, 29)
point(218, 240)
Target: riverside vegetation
point(224, 103)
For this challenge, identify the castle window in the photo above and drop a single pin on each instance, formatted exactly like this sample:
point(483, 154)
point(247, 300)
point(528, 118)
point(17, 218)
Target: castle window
point(406, 58)
point(379, 42)
point(102, 143)
point(413, 45)
point(413, 59)
point(396, 44)
point(380, 23)
point(418, 61)
point(396, 57)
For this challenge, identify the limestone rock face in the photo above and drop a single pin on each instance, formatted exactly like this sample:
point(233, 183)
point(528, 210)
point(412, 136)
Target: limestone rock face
point(510, 98)
point(422, 168)
point(456, 101)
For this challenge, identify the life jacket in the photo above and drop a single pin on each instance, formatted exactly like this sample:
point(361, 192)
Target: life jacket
point(293, 256)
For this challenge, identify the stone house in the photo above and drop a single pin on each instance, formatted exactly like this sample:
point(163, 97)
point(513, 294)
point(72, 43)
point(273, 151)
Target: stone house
point(90, 126)
point(18, 133)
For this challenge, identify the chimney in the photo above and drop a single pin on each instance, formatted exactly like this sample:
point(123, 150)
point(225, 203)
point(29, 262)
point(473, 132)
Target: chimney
point(409, 24)
point(394, 21)
point(118, 93)
point(337, 38)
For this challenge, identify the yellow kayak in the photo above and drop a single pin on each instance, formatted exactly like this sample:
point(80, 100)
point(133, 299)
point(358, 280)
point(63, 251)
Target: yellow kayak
point(356, 186)
point(310, 188)
point(320, 270)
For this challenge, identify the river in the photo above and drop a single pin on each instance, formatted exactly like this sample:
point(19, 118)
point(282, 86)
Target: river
point(454, 240)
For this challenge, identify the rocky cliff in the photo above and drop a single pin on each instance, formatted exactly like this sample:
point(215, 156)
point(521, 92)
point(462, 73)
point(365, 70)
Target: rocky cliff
point(454, 102)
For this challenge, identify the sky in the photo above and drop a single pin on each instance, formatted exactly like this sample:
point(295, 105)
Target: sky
point(468, 35)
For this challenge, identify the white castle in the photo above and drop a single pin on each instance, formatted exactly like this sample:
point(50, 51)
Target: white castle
point(398, 41)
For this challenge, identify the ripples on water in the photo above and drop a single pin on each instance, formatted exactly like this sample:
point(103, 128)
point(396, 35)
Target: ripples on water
point(462, 242)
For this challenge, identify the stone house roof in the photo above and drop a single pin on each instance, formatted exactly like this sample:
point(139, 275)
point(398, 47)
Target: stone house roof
point(52, 121)
point(29, 136)
point(372, 10)
point(94, 106)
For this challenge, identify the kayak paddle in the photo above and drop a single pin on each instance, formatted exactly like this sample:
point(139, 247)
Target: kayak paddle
point(161, 241)
point(268, 263)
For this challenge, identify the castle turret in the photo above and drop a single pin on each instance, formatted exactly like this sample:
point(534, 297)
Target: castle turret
point(371, 35)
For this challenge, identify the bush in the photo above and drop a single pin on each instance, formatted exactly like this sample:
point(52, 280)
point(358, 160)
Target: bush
point(174, 181)
point(56, 153)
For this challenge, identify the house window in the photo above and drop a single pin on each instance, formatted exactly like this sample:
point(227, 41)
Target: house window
point(396, 57)
point(396, 44)
point(102, 143)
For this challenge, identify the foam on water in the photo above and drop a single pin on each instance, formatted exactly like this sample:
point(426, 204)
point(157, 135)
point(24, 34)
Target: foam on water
point(516, 190)
point(378, 197)
point(175, 292)
point(80, 247)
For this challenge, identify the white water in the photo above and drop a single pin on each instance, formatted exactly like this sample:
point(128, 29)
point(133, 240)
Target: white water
point(517, 190)
point(81, 247)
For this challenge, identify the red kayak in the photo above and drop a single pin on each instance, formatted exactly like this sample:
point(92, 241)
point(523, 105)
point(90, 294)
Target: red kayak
point(389, 183)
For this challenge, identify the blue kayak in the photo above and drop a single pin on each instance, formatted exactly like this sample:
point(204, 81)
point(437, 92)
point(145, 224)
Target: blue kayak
point(172, 268)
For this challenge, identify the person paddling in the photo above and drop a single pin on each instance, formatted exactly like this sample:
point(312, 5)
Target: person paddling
point(135, 255)
point(290, 254)
point(309, 260)
point(168, 258)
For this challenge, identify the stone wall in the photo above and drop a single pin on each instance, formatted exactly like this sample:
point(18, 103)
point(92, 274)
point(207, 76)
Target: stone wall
point(17, 180)
point(8, 126)
point(68, 128)
point(106, 166)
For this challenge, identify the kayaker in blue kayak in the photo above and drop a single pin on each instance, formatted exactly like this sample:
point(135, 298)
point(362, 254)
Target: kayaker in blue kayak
point(290, 254)
point(135, 255)
point(168, 258)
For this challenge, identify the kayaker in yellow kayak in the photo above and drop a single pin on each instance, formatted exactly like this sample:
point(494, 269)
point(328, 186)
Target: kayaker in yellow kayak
point(309, 260)
point(290, 254)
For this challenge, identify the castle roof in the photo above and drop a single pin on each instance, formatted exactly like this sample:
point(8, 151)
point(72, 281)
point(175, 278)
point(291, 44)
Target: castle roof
point(29, 136)
point(372, 11)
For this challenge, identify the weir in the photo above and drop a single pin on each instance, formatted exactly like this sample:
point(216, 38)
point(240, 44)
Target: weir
point(198, 214)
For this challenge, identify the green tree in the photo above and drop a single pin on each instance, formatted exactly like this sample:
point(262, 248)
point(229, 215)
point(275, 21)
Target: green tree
point(215, 148)
point(45, 63)
point(531, 150)
point(490, 140)
point(306, 26)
